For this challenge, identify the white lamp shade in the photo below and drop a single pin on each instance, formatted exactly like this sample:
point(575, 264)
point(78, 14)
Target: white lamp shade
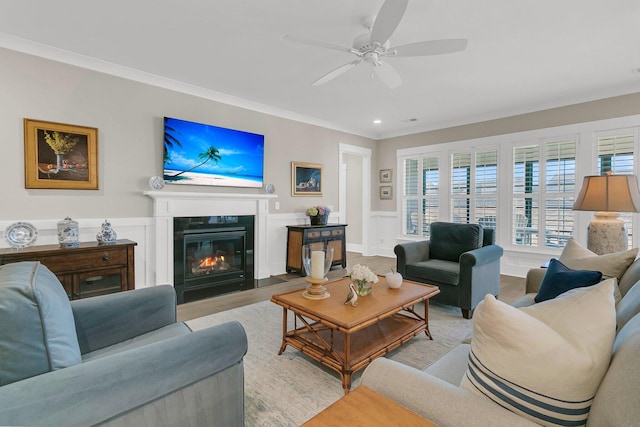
point(612, 193)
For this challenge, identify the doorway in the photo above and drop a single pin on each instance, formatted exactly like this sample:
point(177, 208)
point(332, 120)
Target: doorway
point(355, 195)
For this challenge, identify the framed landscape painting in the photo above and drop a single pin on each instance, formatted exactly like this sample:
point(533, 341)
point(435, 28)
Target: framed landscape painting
point(306, 179)
point(60, 156)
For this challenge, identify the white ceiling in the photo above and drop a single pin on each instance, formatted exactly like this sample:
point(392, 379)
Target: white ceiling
point(522, 56)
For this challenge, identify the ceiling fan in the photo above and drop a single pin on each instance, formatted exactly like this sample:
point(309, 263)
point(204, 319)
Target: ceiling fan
point(374, 45)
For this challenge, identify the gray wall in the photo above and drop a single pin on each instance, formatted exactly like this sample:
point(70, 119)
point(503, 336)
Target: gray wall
point(129, 116)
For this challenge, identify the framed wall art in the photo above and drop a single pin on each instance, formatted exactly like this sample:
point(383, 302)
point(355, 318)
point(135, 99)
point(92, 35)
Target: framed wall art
point(60, 156)
point(386, 175)
point(386, 192)
point(306, 179)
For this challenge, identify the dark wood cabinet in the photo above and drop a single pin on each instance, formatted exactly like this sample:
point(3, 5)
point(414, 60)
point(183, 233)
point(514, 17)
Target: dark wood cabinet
point(88, 270)
point(315, 235)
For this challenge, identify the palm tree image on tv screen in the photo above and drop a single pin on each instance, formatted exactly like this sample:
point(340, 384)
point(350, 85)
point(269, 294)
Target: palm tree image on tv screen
point(201, 154)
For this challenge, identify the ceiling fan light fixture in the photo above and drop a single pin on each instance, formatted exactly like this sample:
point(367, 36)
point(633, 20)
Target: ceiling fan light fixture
point(373, 47)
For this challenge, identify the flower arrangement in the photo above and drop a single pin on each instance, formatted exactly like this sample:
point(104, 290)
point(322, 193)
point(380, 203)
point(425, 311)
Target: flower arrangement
point(318, 210)
point(362, 276)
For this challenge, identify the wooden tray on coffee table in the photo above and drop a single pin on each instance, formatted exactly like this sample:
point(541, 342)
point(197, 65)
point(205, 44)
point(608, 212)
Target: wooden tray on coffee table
point(347, 338)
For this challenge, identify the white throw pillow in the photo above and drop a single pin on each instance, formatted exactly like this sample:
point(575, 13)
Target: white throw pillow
point(543, 362)
point(577, 257)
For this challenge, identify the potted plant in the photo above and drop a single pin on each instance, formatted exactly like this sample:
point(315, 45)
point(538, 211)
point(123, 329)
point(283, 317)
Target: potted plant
point(318, 215)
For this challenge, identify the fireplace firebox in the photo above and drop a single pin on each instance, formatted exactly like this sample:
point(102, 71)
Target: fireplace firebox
point(213, 253)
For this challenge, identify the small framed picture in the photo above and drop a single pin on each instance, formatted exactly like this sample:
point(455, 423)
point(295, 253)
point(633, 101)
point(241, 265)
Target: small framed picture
point(306, 179)
point(60, 156)
point(386, 192)
point(386, 175)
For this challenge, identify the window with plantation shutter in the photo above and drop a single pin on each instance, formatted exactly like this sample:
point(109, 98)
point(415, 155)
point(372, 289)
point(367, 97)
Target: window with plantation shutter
point(474, 187)
point(523, 185)
point(420, 195)
point(616, 155)
point(460, 187)
point(559, 190)
point(486, 185)
point(544, 176)
point(526, 168)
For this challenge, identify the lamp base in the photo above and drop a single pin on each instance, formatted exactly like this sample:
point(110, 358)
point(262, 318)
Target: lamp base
point(315, 290)
point(607, 234)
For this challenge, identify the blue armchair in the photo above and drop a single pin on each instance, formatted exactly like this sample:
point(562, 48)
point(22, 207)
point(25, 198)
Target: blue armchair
point(461, 259)
point(118, 359)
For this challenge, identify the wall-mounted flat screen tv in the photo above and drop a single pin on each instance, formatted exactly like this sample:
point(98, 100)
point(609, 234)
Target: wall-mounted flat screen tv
point(201, 154)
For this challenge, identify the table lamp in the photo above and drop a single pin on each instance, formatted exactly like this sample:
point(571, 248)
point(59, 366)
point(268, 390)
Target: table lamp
point(608, 195)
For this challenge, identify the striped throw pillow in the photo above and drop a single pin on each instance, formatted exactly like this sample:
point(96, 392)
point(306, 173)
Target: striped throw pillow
point(543, 362)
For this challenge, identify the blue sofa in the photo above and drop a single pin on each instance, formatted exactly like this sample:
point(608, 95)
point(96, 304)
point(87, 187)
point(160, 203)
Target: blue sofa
point(442, 401)
point(118, 359)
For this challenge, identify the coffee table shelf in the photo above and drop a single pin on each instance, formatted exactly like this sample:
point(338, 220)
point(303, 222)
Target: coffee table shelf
point(346, 338)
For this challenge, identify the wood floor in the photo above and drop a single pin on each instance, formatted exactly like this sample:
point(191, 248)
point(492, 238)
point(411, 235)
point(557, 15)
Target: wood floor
point(511, 288)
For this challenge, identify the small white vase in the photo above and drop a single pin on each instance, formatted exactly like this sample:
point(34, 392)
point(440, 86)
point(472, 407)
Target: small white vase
point(68, 233)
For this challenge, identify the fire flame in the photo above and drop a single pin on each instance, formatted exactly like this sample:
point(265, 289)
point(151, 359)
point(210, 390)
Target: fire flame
point(211, 261)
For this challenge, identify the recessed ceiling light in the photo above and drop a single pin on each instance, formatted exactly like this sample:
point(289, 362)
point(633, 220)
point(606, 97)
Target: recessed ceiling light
point(377, 121)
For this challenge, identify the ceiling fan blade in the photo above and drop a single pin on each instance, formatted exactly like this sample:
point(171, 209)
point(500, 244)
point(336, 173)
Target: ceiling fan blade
point(335, 73)
point(317, 43)
point(387, 20)
point(388, 75)
point(431, 47)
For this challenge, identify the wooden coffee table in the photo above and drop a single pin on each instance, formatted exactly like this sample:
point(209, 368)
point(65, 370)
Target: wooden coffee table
point(347, 338)
point(365, 407)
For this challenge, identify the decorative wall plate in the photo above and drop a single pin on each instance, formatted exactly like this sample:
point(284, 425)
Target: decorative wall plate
point(156, 182)
point(20, 234)
point(270, 188)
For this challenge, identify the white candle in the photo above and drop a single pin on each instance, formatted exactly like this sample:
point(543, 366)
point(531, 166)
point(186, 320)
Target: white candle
point(317, 265)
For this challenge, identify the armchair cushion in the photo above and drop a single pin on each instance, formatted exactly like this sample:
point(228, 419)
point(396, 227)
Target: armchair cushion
point(98, 319)
point(437, 270)
point(449, 241)
point(435, 399)
point(157, 336)
point(559, 279)
point(565, 343)
point(37, 330)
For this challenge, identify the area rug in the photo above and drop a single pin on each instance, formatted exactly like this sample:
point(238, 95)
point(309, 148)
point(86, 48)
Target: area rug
point(289, 389)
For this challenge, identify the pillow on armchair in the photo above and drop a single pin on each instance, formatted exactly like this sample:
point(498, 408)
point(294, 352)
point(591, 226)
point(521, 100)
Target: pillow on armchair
point(38, 332)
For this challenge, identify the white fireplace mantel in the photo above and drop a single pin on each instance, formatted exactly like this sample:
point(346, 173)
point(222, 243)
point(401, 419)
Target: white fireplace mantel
point(168, 205)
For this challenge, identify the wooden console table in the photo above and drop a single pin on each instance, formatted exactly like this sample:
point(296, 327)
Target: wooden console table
point(88, 270)
point(315, 235)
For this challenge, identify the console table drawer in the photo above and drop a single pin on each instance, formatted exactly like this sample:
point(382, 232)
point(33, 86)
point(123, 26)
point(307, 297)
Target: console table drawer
point(108, 258)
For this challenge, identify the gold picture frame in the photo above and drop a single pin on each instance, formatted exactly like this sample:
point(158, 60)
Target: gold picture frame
point(306, 179)
point(60, 156)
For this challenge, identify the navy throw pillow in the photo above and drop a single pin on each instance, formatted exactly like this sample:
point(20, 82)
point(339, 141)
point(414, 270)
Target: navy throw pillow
point(559, 279)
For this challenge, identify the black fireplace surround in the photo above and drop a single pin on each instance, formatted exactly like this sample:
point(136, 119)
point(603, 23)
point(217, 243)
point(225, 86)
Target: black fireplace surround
point(212, 254)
